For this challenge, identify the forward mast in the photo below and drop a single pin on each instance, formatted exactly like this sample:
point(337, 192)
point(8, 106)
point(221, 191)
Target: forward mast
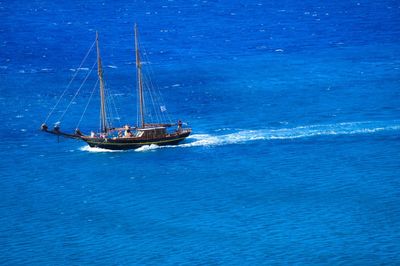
point(139, 79)
point(103, 114)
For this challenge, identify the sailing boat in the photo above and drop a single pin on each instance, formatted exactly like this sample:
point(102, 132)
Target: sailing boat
point(126, 137)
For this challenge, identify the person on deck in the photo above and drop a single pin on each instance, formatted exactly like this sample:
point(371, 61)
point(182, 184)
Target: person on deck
point(128, 133)
point(44, 127)
point(179, 125)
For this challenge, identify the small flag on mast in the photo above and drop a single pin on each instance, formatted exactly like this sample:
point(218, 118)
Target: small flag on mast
point(163, 108)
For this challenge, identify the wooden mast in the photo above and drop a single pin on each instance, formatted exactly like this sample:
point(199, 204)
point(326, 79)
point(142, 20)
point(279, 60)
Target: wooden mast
point(103, 119)
point(139, 78)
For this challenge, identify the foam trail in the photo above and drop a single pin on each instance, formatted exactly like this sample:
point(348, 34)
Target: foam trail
point(243, 136)
point(93, 149)
point(148, 148)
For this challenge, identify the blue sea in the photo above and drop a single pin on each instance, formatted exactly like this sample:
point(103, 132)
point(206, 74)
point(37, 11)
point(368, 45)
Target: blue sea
point(294, 157)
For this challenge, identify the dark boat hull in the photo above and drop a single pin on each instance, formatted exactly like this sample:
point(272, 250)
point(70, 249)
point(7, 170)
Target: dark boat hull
point(132, 143)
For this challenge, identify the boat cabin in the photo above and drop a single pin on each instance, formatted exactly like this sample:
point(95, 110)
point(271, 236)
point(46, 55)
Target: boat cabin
point(152, 132)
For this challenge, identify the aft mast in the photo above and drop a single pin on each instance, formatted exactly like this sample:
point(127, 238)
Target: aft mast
point(103, 114)
point(139, 78)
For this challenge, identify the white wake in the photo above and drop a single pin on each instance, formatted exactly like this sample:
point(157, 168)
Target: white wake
point(94, 149)
point(243, 136)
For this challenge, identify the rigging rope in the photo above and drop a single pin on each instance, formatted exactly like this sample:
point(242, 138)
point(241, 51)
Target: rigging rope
point(114, 105)
point(158, 119)
point(90, 98)
point(158, 96)
point(109, 111)
point(156, 100)
point(73, 98)
point(69, 84)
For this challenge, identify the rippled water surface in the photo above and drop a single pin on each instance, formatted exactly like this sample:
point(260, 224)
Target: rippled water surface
point(294, 156)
